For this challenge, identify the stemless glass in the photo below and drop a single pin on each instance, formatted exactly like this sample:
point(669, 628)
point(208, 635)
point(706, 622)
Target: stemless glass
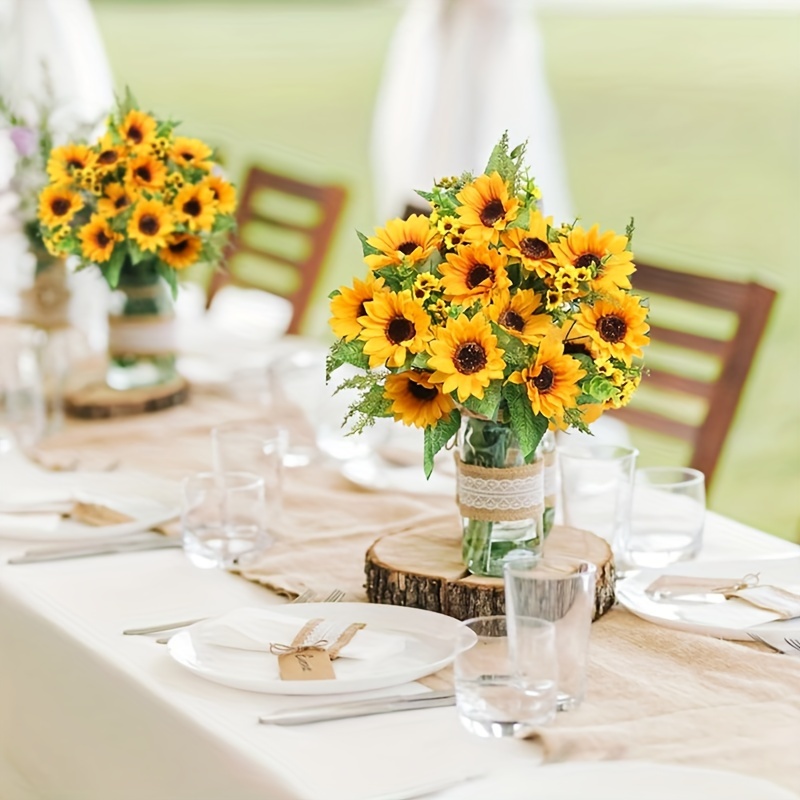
point(560, 590)
point(505, 675)
point(223, 519)
point(23, 414)
point(667, 517)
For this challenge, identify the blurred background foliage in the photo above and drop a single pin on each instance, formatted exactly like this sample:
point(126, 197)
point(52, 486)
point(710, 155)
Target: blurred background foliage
point(686, 119)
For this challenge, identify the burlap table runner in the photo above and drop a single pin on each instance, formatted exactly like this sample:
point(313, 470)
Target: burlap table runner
point(653, 693)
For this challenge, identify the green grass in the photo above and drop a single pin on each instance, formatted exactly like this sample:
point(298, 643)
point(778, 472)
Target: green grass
point(690, 123)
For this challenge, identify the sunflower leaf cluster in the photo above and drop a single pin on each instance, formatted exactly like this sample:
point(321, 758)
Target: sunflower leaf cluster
point(486, 307)
point(138, 194)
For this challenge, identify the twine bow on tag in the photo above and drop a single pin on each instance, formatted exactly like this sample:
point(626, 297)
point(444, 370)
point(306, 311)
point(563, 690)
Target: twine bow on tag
point(278, 649)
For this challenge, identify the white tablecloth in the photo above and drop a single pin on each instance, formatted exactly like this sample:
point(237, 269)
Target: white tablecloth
point(88, 713)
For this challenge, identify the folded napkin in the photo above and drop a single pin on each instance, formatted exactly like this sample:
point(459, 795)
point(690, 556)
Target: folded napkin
point(260, 628)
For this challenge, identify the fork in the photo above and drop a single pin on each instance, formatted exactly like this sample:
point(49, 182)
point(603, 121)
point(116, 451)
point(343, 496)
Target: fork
point(793, 643)
point(306, 597)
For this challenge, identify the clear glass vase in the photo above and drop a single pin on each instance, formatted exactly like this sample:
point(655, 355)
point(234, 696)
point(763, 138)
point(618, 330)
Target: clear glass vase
point(141, 330)
point(500, 495)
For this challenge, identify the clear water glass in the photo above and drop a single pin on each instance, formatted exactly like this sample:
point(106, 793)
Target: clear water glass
point(23, 412)
point(505, 676)
point(224, 519)
point(597, 489)
point(560, 590)
point(667, 517)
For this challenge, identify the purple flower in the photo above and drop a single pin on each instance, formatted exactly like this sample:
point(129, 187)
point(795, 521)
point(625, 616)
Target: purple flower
point(24, 140)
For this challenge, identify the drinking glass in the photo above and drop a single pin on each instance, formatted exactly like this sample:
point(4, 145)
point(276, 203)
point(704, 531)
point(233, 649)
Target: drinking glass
point(560, 590)
point(667, 517)
point(505, 675)
point(596, 489)
point(255, 447)
point(223, 519)
point(23, 413)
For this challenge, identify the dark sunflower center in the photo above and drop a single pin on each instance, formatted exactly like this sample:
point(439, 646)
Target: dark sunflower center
point(510, 319)
point(361, 310)
point(492, 212)
point(587, 260)
point(121, 201)
point(192, 207)
point(108, 157)
point(60, 206)
point(135, 134)
point(421, 392)
point(407, 248)
point(101, 239)
point(611, 329)
point(149, 225)
point(399, 330)
point(535, 249)
point(144, 173)
point(576, 348)
point(477, 275)
point(187, 156)
point(73, 162)
point(178, 247)
point(544, 380)
point(469, 358)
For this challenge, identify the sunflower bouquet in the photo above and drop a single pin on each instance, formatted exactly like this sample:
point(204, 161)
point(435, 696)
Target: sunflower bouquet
point(487, 318)
point(140, 197)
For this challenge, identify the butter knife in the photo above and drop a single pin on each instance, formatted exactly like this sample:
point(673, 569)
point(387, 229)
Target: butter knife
point(34, 557)
point(359, 708)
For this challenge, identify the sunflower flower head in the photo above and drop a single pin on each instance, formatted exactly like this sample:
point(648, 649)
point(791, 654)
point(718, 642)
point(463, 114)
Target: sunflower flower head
point(347, 307)
point(395, 325)
point(402, 241)
point(616, 327)
point(486, 208)
point(415, 400)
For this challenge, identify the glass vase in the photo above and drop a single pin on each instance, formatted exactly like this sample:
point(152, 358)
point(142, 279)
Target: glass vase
point(500, 495)
point(141, 330)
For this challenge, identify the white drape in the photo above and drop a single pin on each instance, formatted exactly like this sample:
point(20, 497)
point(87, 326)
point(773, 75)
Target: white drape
point(458, 73)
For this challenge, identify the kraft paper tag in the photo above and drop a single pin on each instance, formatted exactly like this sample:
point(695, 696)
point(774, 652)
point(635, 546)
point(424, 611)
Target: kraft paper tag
point(676, 586)
point(311, 664)
point(95, 514)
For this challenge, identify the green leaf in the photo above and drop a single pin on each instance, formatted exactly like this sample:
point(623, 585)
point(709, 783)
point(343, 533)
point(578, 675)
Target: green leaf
point(516, 353)
point(397, 278)
point(523, 219)
point(366, 247)
point(169, 275)
point(114, 267)
point(135, 253)
point(420, 361)
point(425, 195)
point(343, 352)
point(529, 427)
point(599, 388)
point(437, 436)
point(489, 405)
point(629, 229)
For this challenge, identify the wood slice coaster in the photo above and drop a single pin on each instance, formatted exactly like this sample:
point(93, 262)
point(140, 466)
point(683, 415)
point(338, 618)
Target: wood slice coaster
point(426, 571)
point(98, 401)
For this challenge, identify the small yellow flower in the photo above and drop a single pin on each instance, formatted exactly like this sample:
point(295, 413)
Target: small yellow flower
point(553, 299)
point(438, 310)
point(424, 284)
point(605, 367)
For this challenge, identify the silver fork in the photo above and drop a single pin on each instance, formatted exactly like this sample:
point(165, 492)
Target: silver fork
point(306, 597)
point(336, 596)
point(756, 638)
point(793, 643)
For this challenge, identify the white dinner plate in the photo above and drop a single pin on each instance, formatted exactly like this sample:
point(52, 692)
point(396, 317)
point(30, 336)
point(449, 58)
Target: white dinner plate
point(727, 619)
point(430, 646)
point(377, 474)
point(617, 780)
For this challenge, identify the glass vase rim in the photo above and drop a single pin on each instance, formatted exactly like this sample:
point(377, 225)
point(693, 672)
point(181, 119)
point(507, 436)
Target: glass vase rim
point(527, 565)
point(692, 477)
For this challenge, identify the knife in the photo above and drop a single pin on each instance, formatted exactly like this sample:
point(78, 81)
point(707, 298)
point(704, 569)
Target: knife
point(360, 708)
point(36, 557)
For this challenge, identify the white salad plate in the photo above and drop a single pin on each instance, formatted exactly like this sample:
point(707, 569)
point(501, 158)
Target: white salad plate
point(724, 619)
point(429, 645)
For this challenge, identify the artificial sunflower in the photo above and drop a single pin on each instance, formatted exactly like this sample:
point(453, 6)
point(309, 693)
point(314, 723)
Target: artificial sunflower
point(615, 326)
point(181, 251)
point(474, 272)
point(116, 198)
point(466, 357)
point(97, 239)
point(530, 246)
point(138, 128)
point(224, 193)
point(150, 225)
point(194, 206)
point(517, 313)
point(415, 400)
point(64, 161)
point(403, 241)
point(394, 325)
point(552, 380)
point(145, 172)
point(188, 152)
point(486, 209)
point(603, 254)
point(347, 307)
point(107, 156)
point(58, 205)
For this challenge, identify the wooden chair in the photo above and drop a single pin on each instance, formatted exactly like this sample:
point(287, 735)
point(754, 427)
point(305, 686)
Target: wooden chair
point(284, 230)
point(705, 354)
